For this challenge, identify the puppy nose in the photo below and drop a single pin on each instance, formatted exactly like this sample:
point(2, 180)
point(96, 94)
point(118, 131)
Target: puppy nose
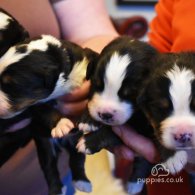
point(105, 116)
point(183, 138)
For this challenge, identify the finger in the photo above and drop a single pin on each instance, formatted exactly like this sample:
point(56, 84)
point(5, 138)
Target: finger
point(137, 143)
point(123, 152)
point(78, 94)
point(53, 133)
point(56, 133)
point(72, 109)
point(69, 124)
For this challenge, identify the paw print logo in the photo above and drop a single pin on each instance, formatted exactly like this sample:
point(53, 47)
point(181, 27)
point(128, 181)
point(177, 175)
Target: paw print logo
point(159, 170)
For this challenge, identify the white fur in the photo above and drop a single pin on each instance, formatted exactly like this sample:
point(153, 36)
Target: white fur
point(182, 119)
point(180, 89)
point(59, 89)
point(10, 57)
point(42, 44)
point(77, 75)
point(134, 187)
point(86, 128)
point(75, 80)
point(172, 124)
point(81, 147)
point(64, 190)
point(115, 73)
point(108, 100)
point(4, 20)
point(121, 111)
point(177, 162)
point(83, 186)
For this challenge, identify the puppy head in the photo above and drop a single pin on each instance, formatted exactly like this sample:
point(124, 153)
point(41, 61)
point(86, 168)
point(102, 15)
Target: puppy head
point(122, 67)
point(37, 71)
point(169, 100)
point(11, 32)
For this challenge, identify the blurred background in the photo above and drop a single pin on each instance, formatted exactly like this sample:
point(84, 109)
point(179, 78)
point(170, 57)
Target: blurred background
point(131, 17)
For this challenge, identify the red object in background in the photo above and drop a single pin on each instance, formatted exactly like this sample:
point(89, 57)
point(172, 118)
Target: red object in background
point(135, 26)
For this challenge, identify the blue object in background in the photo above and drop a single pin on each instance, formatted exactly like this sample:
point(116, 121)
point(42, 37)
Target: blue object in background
point(67, 182)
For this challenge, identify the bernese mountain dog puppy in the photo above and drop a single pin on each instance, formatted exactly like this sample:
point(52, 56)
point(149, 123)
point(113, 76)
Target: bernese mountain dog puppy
point(33, 73)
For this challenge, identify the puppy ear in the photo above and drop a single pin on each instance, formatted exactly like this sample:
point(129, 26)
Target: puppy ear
point(143, 51)
point(92, 56)
point(142, 98)
point(12, 33)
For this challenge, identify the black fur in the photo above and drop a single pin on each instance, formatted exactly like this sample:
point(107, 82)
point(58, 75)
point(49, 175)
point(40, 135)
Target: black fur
point(137, 73)
point(26, 83)
point(12, 34)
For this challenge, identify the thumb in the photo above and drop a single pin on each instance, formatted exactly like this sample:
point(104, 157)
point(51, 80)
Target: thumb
point(137, 143)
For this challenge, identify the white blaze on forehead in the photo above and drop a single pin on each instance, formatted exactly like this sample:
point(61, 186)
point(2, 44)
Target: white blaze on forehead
point(180, 89)
point(42, 44)
point(4, 20)
point(115, 73)
point(12, 56)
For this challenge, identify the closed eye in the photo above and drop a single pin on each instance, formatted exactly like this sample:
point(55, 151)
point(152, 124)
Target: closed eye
point(162, 103)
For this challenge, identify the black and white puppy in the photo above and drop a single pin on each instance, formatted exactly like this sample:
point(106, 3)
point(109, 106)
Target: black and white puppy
point(168, 101)
point(39, 70)
point(32, 73)
point(159, 85)
point(11, 32)
point(122, 70)
point(132, 79)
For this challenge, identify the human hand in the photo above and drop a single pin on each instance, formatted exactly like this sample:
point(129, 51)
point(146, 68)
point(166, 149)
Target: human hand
point(134, 143)
point(74, 103)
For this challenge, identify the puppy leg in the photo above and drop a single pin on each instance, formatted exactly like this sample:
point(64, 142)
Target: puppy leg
point(174, 161)
point(48, 162)
point(177, 162)
point(140, 171)
point(95, 141)
point(88, 124)
point(63, 127)
point(47, 116)
point(76, 163)
point(11, 142)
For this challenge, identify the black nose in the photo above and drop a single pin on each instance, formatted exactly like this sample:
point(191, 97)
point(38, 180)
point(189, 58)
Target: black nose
point(183, 138)
point(105, 116)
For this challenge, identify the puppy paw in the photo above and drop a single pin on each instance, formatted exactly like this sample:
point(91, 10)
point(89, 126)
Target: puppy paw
point(63, 127)
point(81, 146)
point(86, 128)
point(176, 163)
point(134, 187)
point(83, 186)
